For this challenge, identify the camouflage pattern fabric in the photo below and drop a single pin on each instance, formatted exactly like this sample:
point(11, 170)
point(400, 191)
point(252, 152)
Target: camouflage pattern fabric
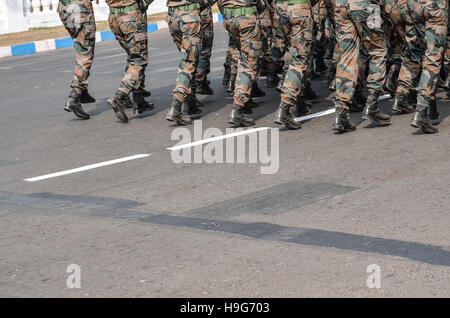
point(185, 28)
point(78, 19)
point(245, 30)
point(279, 45)
point(295, 24)
point(207, 35)
point(266, 23)
point(130, 29)
point(353, 32)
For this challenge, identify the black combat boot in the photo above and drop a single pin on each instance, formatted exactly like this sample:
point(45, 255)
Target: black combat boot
point(86, 98)
point(331, 73)
point(272, 79)
point(190, 106)
point(203, 88)
point(226, 76)
point(175, 114)
point(433, 113)
point(239, 118)
point(73, 105)
point(420, 120)
point(118, 103)
point(342, 121)
point(447, 84)
point(284, 117)
point(264, 68)
point(257, 91)
point(280, 82)
point(330, 50)
point(391, 79)
point(231, 84)
point(401, 105)
point(308, 93)
point(144, 92)
point(301, 108)
point(140, 105)
point(371, 111)
point(319, 64)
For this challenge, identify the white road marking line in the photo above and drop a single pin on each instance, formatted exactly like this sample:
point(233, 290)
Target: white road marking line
point(384, 97)
point(88, 167)
point(319, 114)
point(204, 141)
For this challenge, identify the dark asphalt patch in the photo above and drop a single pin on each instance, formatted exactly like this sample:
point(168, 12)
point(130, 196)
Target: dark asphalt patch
point(104, 207)
point(430, 254)
point(277, 199)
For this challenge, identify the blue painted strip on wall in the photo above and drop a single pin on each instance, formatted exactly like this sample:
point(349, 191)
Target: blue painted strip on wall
point(22, 49)
point(63, 42)
point(107, 35)
point(220, 17)
point(152, 27)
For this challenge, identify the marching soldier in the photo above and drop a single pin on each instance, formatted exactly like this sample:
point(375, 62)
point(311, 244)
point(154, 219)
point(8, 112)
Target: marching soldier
point(78, 19)
point(184, 23)
point(358, 22)
point(295, 25)
point(242, 23)
point(127, 20)
point(203, 68)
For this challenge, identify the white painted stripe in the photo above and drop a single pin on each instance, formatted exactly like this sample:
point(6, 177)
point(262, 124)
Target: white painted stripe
point(45, 45)
point(84, 168)
point(98, 37)
point(5, 51)
point(205, 141)
point(215, 17)
point(384, 97)
point(319, 114)
point(162, 25)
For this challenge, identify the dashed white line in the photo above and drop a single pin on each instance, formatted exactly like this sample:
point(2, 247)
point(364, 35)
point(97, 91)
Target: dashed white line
point(319, 114)
point(88, 167)
point(207, 140)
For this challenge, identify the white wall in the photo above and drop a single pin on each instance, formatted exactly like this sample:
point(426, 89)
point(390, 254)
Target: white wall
point(20, 15)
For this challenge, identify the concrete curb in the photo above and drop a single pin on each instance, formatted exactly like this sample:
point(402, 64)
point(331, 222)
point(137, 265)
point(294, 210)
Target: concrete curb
point(59, 43)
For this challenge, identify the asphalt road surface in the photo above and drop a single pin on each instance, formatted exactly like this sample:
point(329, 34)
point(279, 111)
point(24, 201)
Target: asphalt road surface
point(150, 227)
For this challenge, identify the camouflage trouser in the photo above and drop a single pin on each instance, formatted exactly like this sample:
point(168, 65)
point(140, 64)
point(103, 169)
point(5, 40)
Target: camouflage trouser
point(185, 26)
point(265, 20)
point(295, 24)
point(279, 47)
point(245, 30)
point(424, 25)
point(142, 79)
point(130, 29)
point(320, 16)
point(207, 34)
point(353, 32)
point(232, 57)
point(447, 51)
point(78, 19)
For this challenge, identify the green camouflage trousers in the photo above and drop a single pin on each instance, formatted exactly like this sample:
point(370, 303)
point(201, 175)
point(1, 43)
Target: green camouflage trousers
point(266, 22)
point(245, 30)
point(232, 57)
point(279, 46)
point(353, 33)
point(295, 26)
point(447, 51)
point(207, 34)
point(130, 29)
point(424, 25)
point(78, 19)
point(185, 28)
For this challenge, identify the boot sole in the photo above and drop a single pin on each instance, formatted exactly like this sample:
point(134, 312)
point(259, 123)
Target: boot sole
point(120, 113)
point(423, 128)
point(240, 124)
point(342, 129)
point(287, 126)
point(178, 121)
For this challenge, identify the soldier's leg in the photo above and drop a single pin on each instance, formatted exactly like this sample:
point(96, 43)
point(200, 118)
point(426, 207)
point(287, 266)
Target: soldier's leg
point(185, 28)
point(79, 21)
point(130, 29)
point(249, 35)
point(203, 69)
point(142, 89)
point(347, 67)
point(447, 56)
point(227, 64)
point(435, 14)
point(234, 60)
point(374, 41)
point(278, 48)
point(300, 45)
